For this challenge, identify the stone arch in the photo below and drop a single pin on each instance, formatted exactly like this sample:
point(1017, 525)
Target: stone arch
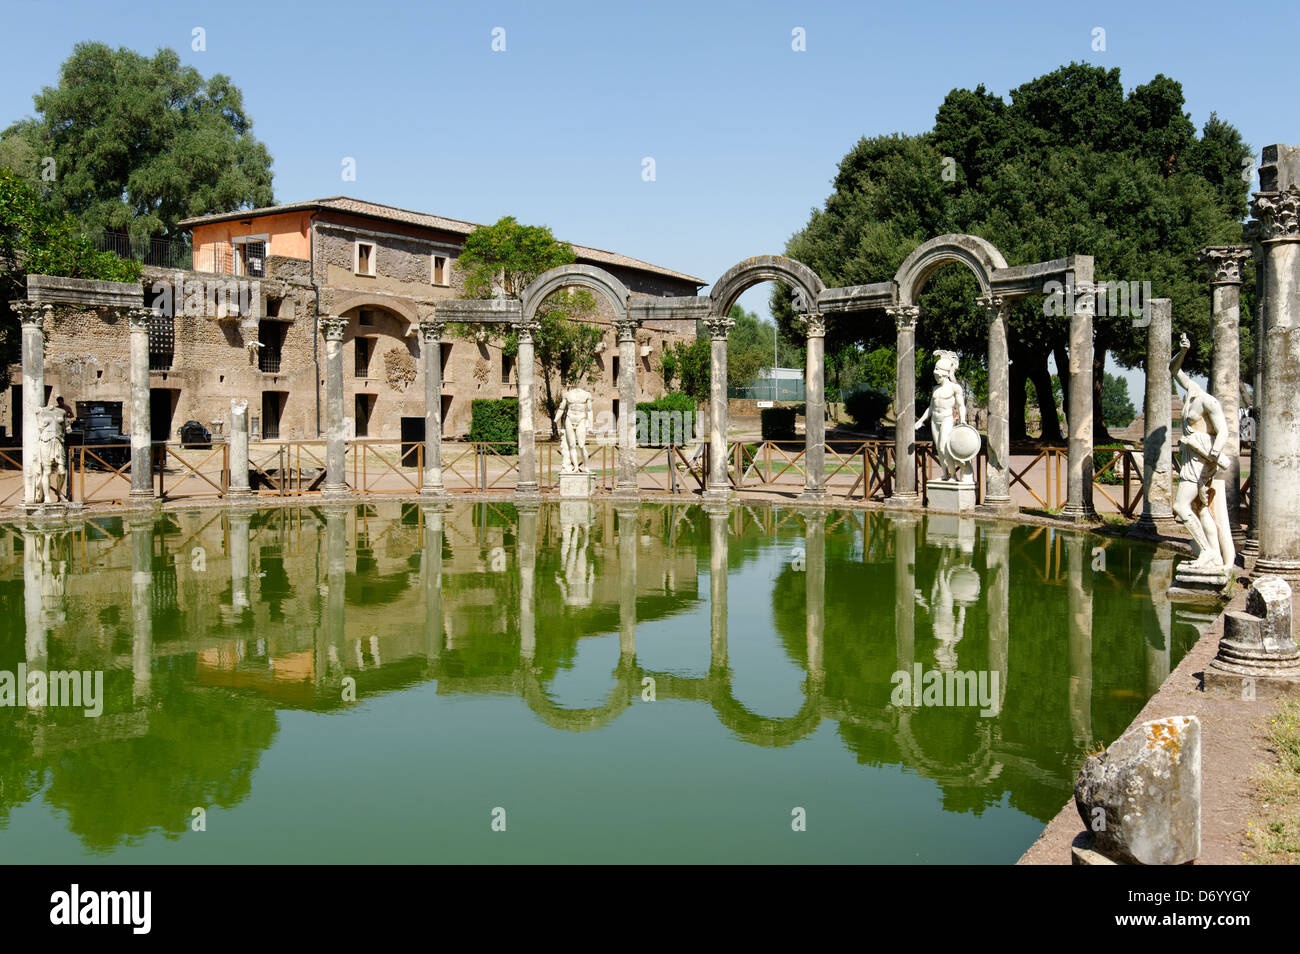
point(404, 309)
point(975, 253)
point(763, 268)
point(588, 276)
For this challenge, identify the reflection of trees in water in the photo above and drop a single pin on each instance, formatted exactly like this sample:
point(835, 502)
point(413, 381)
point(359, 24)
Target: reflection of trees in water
point(201, 749)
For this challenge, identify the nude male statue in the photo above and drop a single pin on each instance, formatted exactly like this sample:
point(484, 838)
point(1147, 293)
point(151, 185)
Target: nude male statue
point(575, 416)
point(1205, 431)
point(947, 409)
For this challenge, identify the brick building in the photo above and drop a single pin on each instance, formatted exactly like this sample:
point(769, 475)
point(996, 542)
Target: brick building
point(242, 323)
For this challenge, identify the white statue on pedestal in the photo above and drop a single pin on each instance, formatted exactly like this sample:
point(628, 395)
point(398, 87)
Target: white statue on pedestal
point(51, 456)
point(1199, 502)
point(946, 412)
point(574, 417)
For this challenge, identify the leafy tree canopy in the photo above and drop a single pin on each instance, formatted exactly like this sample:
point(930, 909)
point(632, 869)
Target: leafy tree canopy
point(138, 143)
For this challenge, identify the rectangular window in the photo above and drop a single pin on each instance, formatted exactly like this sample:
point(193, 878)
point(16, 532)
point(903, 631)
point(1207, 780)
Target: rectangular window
point(365, 258)
point(271, 336)
point(363, 356)
point(507, 365)
point(365, 404)
point(250, 255)
point(440, 270)
point(616, 369)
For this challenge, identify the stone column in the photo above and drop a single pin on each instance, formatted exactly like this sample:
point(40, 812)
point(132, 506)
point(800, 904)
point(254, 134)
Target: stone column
point(432, 565)
point(718, 487)
point(1257, 465)
point(997, 476)
point(141, 431)
point(1277, 210)
point(527, 442)
point(814, 434)
point(333, 327)
point(527, 511)
point(141, 532)
point(1157, 419)
point(32, 316)
point(718, 588)
point(431, 347)
point(628, 534)
point(815, 597)
point(1225, 371)
point(905, 487)
point(238, 449)
point(1078, 507)
point(625, 477)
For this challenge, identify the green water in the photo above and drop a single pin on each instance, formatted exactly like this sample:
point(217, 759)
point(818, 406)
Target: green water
point(384, 683)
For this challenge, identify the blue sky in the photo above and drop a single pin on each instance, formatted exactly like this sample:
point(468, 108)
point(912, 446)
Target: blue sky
point(744, 131)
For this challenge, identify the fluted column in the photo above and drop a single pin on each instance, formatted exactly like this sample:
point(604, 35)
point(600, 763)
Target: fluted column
point(141, 432)
point(625, 475)
point(997, 476)
point(718, 486)
point(814, 433)
point(1157, 420)
point(1225, 263)
point(1078, 505)
point(431, 348)
point(1277, 211)
point(32, 316)
point(905, 488)
point(527, 440)
point(333, 327)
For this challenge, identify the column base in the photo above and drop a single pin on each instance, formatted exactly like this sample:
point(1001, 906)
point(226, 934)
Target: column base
point(997, 506)
point(1156, 523)
point(433, 490)
point(717, 495)
point(904, 500)
point(813, 495)
point(1270, 566)
point(140, 496)
point(239, 494)
point(335, 490)
point(626, 493)
point(527, 488)
point(1250, 547)
point(1079, 514)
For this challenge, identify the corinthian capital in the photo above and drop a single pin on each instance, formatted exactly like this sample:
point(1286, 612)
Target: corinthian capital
point(1225, 262)
point(905, 316)
point(525, 331)
point(813, 324)
point(1278, 214)
point(718, 326)
point(139, 318)
point(431, 330)
point(626, 329)
point(333, 327)
point(995, 306)
point(30, 313)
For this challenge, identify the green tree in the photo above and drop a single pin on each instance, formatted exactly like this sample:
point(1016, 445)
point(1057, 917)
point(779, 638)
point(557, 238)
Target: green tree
point(688, 366)
point(36, 240)
point(139, 143)
point(565, 345)
point(1116, 406)
point(1070, 165)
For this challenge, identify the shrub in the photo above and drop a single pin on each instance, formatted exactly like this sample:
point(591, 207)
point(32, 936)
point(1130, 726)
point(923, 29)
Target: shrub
point(867, 406)
point(778, 423)
point(495, 421)
point(677, 412)
point(1100, 458)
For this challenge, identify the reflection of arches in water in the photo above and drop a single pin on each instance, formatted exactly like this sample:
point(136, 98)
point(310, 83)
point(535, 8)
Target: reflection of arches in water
point(978, 769)
point(626, 682)
point(766, 731)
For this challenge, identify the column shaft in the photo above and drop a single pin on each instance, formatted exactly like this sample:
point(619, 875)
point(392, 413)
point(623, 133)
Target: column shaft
point(625, 479)
point(1078, 505)
point(527, 440)
point(334, 327)
point(1157, 420)
point(1225, 371)
point(718, 485)
point(815, 408)
point(905, 486)
point(997, 478)
point(431, 346)
point(141, 435)
point(33, 317)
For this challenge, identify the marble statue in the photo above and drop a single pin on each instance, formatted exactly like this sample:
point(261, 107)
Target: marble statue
point(1199, 502)
point(574, 417)
point(51, 456)
point(947, 411)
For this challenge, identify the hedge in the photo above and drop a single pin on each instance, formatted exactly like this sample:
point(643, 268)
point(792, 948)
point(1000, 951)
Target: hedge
point(867, 406)
point(778, 423)
point(495, 420)
point(675, 403)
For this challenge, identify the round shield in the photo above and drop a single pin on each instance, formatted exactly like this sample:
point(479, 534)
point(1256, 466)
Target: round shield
point(964, 443)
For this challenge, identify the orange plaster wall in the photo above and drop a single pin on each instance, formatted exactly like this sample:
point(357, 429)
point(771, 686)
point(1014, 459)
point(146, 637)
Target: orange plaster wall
point(287, 231)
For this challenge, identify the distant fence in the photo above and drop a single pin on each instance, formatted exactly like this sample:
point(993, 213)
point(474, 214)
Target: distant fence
point(767, 389)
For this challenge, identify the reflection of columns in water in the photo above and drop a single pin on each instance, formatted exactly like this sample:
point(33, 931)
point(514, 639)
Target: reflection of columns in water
point(141, 531)
point(904, 590)
point(527, 511)
point(628, 531)
point(718, 586)
point(1080, 640)
point(35, 566)
point(815, 593)
point(336, 550)
point(1159, 578)
point(239, 524)
point(997, 557)
point(432, 515)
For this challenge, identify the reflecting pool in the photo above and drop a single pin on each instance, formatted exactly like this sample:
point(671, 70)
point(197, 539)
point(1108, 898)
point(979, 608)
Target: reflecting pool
point(392, 682)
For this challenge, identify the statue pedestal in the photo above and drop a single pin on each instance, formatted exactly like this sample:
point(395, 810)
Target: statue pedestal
point(954, 495)
point(1200, 583)
point(577, 485)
